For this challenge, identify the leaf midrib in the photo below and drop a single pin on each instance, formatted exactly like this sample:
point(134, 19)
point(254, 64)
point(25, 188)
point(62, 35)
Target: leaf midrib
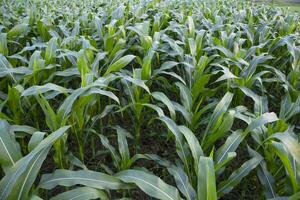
point(11, 159)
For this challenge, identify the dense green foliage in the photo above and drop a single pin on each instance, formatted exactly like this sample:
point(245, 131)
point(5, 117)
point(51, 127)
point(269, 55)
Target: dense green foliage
point(178, 99)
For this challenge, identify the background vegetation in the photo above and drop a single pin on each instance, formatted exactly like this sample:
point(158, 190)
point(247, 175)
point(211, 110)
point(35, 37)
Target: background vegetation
point(292, 5)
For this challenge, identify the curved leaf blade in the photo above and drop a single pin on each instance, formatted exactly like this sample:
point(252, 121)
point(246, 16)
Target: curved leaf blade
point(150, 184)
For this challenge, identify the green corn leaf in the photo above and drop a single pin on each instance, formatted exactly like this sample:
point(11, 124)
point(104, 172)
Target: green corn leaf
point(294, 196)
point(35, 197)
point(26, 180)
point(66, 106)
point(264, 176)
point(36, 63)
point(182, 182)
point(83, 66)
point(172, 126)
point(262, 120)
point(206, 179)
point(51, 117)
point(3, 44)
point(191, 26)
point(68, 103)
point(137, 82)
point(220, 109)
point(236, 177)
point(193, 144)
point(50, 54)
point(163, 98)
point(150, 184)
point(166, 66)
point(9, 152)
point(222, 130)
point(185, 96)
point(225, 51)
point(49, 90)
point(146, 67)
point(75, 161)
point(158, 110)
point(283, 154)
point(82, 193)
point(173, 74)
point(123, 145)
point(15, 74)
point(227, 74)
point(14, 129)
point(185, 113)
point(219, 167)
point(94, 90)
point(199, 85)
point(18, 30)
point(5, 67)
point(22, 175)
point(290, 144)
point(119, 64)
point(35, 139)
point(259, 101)
point(257, 60)
point(192, 46)
point(288, 108)
point(180, 176)
point(98, 58)
point(230, 146)
point(105, 142)
point(82, 177)
point(118, 46)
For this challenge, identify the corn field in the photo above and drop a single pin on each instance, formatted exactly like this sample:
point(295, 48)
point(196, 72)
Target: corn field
point(140, 99)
